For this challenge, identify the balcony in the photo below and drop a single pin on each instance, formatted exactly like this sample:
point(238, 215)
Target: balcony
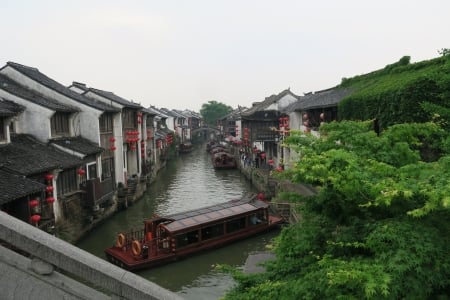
point(98, 191)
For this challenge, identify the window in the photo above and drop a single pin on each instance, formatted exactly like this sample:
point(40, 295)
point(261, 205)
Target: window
point(107, 168)
point(2, 129)
point(235, 225)
point(67, 181)
point(212, 231)
point(187, 238)
point(60, 124)
point(91, 171)
point(106, 123)
point(129, 119)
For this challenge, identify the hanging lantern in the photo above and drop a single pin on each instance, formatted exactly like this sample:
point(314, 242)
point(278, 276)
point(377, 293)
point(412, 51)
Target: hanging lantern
point(261, 196)
point(112, 139)
point(35, 219)
point(306, 123)
point(49, 188)
point(113, 148)
point(81, 172)
point(305, 116)
point(50, 200)
point(48, 177)
point(322, 116)
point(270, 161)
point(33, 203)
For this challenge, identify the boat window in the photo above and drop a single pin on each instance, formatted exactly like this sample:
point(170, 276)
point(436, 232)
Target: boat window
point(258, 218)
point(212, 231)
point(235, 225)
point(187, 238)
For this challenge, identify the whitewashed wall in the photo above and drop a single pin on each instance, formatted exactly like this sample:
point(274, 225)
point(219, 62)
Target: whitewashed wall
point(85, 124)
point(35, 120)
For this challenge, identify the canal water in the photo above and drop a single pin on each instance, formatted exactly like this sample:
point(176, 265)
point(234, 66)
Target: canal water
point(188, 182)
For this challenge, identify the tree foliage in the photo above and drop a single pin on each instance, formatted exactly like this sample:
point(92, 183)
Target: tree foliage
point(396, 94)
point(213, 111)
point(379, 226)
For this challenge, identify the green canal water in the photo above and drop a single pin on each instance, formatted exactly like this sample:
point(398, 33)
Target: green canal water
point(188, 182)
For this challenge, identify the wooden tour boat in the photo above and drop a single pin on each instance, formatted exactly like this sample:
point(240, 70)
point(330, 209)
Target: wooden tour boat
point(169, 238)
point(223, 160)
point(185, 147)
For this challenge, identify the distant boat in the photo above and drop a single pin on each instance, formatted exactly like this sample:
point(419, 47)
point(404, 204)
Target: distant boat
point(223, 160)
point(169, 238)
point(185, 147)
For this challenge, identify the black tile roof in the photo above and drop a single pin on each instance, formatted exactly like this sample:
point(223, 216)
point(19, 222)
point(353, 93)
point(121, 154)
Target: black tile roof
point(80, 85)
point(16, 186)
point(149, 111)
point(325, 98)
point(34, 74)
point(113, 97)
point(260, 106)
point(78, 144)
point(27, 156)
point(14, 88)
point(9, 108)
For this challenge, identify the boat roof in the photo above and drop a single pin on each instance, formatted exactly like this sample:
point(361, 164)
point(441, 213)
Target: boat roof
point(213, 213)
point(222, 153)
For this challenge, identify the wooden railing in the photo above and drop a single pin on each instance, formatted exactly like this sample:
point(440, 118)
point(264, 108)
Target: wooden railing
point(98, 191)
point(288, 211)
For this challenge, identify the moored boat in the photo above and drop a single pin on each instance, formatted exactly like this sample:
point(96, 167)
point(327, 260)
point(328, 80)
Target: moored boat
point(185, 147)
point(223, 160)
point(169, 238)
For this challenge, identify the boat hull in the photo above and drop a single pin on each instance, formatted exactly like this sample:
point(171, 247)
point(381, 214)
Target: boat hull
point(126, 260)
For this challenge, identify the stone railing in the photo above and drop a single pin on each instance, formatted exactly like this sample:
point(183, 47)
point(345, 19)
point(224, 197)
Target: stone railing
point(75, 272)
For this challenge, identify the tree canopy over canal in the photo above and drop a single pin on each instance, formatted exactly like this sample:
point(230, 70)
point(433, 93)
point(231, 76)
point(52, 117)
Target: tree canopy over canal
point(379, 227)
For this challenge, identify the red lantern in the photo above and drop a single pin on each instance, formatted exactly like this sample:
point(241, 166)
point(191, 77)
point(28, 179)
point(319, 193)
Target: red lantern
point(322, 116)
point(279, 169)
point(113, 148)
point(270, 162)
point(112, 139)
point(50, 200)
point(35, 219)
point(48, 177)
point(261, 196)
point(49, 189)
point(33, 203)
point(81, 172)
point(305, 116)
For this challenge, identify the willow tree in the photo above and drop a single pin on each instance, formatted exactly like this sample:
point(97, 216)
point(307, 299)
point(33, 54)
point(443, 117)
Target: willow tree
point(379, 226)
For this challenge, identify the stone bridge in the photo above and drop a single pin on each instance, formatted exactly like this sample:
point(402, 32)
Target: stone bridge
point(206, 131)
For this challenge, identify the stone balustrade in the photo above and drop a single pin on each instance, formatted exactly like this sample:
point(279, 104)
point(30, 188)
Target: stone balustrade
point(55, 269)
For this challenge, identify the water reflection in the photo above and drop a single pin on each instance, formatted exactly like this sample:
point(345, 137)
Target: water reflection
point(188, 182)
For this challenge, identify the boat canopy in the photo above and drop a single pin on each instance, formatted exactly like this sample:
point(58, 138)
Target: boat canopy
point(222, 153)
point(213, 213)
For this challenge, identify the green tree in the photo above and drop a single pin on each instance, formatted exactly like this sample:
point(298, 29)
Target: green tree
point(213, 111)
point(379, 227)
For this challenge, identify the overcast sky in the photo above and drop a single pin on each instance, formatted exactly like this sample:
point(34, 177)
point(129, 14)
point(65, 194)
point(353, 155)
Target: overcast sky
point(182, 54)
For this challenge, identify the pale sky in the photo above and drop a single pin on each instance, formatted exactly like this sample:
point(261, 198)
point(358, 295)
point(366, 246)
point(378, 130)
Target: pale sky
point(182, 54)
